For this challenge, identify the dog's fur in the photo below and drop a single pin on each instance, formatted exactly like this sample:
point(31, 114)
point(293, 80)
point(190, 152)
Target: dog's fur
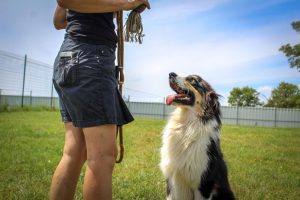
point(191, 158)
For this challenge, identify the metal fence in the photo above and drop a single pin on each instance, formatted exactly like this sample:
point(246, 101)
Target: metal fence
point(24, 81)
point(25, 77)
point(268, 117)
point(243, 116)
point(13, 100)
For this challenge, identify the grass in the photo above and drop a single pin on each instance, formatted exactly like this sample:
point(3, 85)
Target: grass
point(15, 108)
point(263, 163)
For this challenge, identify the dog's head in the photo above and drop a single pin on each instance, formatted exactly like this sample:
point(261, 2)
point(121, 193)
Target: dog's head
point(195, 93)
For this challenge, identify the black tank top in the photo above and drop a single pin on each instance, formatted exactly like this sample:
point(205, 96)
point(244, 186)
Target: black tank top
point(93, 28)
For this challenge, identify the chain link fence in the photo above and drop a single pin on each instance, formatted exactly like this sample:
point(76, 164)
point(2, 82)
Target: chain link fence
point(24, 81)
point(22, 78)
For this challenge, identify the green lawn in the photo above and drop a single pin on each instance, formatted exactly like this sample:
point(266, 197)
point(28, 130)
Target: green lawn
point(263, 163)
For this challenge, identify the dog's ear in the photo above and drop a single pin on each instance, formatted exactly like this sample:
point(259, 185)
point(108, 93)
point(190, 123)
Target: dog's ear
point(212, 101)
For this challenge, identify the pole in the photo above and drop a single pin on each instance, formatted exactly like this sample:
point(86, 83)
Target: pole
point(164, 108)
point(0, 96)
point(30, 97)
point(51, 100)
point(237, 115)
point(275, 118)
point(23, 87)
point(128, 100)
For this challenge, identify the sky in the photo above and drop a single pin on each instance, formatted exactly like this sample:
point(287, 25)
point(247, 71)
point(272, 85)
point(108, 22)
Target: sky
point(229, 43)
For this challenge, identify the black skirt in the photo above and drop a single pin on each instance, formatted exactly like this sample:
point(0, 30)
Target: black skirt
point(85, 80)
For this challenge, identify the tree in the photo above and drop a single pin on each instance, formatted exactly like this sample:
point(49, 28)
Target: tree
point(245, 96)
point(286, 95)
point(293, 52)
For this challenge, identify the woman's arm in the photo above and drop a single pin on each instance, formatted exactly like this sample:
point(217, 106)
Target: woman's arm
point(101, 6)
point(59, 19)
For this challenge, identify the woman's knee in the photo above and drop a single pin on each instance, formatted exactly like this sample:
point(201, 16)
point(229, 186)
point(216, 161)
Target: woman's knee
point(74, 153)
point(75, 147)
point(105, 159)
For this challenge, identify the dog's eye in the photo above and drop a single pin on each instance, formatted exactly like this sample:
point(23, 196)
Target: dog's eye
point(193, 81)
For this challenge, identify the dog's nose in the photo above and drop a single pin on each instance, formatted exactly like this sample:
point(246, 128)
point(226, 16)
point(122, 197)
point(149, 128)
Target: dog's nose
point(172, 75)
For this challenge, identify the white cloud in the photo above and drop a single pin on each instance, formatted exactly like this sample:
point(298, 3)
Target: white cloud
point(222, 61)
point(215, 54)
point(265, 91)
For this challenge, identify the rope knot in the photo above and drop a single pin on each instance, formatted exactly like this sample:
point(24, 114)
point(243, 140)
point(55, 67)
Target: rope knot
point(134, 26)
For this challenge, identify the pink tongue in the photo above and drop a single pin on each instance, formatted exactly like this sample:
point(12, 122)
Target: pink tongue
point(170, 99)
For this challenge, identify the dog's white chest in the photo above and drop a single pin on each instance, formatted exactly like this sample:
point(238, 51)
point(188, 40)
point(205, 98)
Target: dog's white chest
point(184, 151)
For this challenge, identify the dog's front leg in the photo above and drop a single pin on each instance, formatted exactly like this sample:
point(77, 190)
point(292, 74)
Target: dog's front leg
point(179, 190)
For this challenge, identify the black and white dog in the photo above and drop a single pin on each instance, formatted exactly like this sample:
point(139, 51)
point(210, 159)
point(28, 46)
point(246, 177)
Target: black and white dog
point(191, 157)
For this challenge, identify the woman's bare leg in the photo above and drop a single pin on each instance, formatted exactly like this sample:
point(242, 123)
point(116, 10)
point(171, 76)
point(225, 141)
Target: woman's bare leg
point(101, 157)
point(66, 175)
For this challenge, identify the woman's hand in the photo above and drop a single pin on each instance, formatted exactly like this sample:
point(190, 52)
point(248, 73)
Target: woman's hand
point(101, 6)
point(136, 3)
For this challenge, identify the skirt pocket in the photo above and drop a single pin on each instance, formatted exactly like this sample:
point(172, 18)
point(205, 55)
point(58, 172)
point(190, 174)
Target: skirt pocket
point(66, 69)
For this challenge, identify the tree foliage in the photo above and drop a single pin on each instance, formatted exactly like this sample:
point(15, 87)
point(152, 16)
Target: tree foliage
point(293, 52)
point(245, 96)
point(286, 95)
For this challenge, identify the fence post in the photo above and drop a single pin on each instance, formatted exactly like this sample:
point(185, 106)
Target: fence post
point(164, 108)
point(275, 117)
point(51, 100)
point(128, 99)
point(25, 63)
point(237, 115)
point(30, 97)
point(0, 96)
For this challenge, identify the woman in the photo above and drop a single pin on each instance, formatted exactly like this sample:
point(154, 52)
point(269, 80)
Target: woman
point(91, 107)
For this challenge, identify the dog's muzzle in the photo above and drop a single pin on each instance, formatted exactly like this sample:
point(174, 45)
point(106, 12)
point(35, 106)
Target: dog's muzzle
point(182, 95)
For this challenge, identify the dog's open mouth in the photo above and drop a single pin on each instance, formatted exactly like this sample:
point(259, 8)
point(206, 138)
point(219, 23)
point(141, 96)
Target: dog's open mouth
point(182, 96)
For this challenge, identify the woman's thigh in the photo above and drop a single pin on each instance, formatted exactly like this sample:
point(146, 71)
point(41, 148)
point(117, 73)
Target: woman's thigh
point(75, 145)
point(101, 143)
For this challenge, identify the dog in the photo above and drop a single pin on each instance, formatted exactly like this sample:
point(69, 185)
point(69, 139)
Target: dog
point(191, 157)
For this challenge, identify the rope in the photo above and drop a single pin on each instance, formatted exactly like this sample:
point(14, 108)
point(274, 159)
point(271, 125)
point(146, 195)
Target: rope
point(120, 76)
point(134, 26)
point(133, 33)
